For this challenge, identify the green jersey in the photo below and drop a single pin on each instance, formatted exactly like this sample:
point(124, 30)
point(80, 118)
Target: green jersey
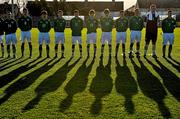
point(92, 25)
point(136, 23)
point(121, 24)
point(106, 24)
point(44, 25)
point(168, 25)
point(59, 25)
point(25, 23)
point(76, 25)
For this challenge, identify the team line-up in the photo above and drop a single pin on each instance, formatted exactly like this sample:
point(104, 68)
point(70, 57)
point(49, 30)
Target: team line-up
point(8, 26)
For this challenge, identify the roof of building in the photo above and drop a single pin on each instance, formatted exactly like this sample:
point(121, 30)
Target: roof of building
point(159, 3)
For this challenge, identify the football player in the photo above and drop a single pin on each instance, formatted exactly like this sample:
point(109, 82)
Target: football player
point(44, 27)
point(136, 25)
point(168, 26)
point(107, 25)
point(76, 25)
point(92, 25)
point(152, 20)
point(121, 25)
point(1, 35)
point(59, 27)
point(25, 25)
point(10, 27)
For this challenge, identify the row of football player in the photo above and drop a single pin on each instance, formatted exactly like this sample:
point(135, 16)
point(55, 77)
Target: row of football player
point(135, 24)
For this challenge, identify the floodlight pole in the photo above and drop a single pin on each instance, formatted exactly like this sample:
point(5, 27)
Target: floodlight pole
point(12, 5)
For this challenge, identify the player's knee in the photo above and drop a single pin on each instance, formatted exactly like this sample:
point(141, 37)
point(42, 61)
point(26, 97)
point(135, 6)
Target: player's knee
point(80, 46)
point(88, 46)
point(40, 47)
point(47, 47)
point(2, 45)
point(62, 47)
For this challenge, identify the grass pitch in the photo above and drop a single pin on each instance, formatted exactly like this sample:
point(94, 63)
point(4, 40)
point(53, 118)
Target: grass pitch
point(90, 88)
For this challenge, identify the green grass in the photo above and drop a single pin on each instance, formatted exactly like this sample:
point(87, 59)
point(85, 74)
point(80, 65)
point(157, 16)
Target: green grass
point(87, 88)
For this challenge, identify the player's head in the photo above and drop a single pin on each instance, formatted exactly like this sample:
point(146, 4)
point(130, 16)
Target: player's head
point(8, 15)
point(121, 13)
point(25, 11)
point(107, 12)
point(169, 13)
point(44, 14)
point(153, 7)
point(60, 13)
point(92, 13)
point(136, 12)
point(76, 13)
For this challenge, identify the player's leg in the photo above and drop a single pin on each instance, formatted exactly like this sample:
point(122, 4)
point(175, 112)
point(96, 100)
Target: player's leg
point(88, 41)
point(138, 44)
point(109, 36)
point(28, 35)
point(117, 43)
point(62, 50)
point(73, 45)
point(56, 44)
point(117, 49)
point(22, 43)
point(2, 46)
point(47, 50)
point(154, 39)
point(2, 49)
point(14, 42)
point(80, 45)
point(30, 49)
point(47, 39)
point(8, 42)
point(132, 37)
point(56, 50)
point(154, 48)
point(171, 44)
point(88, 49)
point(103, 40)
point(62, 45)
point(165, 40)
point(94, 43)
point(40, 44)
point(123, 44)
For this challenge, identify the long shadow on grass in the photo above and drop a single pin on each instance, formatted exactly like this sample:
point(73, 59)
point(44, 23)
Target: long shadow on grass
point(26, 81)
point(5, 60)
point(175, 61)
point(151, 87)
point(50, 84)
point(126, 85)
point(101, 86)
point(9, 62)
point(9, 77)
point(12, 64)
point(177, 67)
point(76, 85)
point(170, 80)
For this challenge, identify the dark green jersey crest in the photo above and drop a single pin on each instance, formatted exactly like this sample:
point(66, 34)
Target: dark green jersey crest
point(59, 25)
point(136, 23)
point(10, 26)
point(44, 25)
point(76, 25)
point(168, 25)
point(121, 24)
point(25, 23)
point(107, 24)
point(92, 25)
